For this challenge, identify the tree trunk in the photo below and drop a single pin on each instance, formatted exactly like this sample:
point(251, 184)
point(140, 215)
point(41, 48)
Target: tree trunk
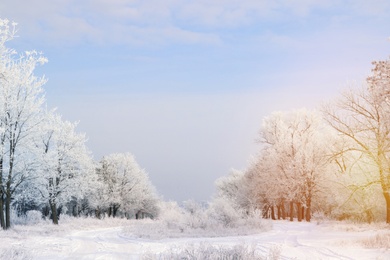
point(8, 210)
point(273, 212)
point(265, 211)
point(8, 199)
point(109, 211)
point(115, 210)
point(387, 198)
point(283, 210)
point(97, 213)
point(53, 207)
point(279, 212)
point(303, 213)
point(291, 211)
point(8, 192)
point(2, 220)
point(75, 211)
point(299, 210)
point(308, 211)
point(46, 211)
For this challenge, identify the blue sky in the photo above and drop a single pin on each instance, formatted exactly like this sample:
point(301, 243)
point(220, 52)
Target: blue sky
point(184, 85)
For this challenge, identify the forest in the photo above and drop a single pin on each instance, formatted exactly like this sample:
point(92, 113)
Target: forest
point(330, 163)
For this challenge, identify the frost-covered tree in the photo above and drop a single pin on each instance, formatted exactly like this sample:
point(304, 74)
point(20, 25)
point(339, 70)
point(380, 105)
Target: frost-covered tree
point(126, 187)
point(21, 99)
point(362, 117)
point(293, 161)
point(66, 166)
point(234, 189)
point(265, 187)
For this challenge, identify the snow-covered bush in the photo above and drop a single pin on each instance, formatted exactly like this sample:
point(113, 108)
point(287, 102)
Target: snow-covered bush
point(172, 216)
point(172, 222)
point(195, 221)
point(254, 219)
point(211, 252)
point(378, 241)
point(15, 252)
point(222, 212)
point(195, 215)
point(32, 217)
point(82, 223)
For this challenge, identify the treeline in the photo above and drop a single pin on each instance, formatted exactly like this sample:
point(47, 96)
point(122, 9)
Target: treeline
point(45, 164)
point(334, 162)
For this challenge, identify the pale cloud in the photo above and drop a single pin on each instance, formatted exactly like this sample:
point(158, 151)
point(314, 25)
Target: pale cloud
point(180, 35)
point(184, 21)
point(371, 8)
point(223, 13)
point(136, 35)
point(101, 22)
point(280, 40)
point(70, 29)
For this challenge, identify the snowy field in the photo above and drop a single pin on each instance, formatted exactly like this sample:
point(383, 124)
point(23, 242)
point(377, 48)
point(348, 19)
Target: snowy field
point(105, 239)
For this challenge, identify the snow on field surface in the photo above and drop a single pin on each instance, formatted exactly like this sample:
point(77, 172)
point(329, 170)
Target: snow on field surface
point(104, 239)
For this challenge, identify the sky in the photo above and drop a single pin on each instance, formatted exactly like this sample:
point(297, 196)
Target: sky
point(184, 84)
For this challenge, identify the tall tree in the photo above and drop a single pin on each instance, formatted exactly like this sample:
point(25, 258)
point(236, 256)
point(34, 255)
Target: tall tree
point(66, 167)
point(363, 117)
point(294, 159)
point(21, 99)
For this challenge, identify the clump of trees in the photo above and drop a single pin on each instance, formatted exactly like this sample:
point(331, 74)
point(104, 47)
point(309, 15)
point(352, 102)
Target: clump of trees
point(295, 156)
point(287, 175)
point(336, 161)
point(45, 164)
point(124, 188)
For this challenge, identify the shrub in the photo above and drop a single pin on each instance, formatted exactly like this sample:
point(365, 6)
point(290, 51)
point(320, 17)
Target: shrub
point(223, 213)
point(195, 221)
point(378, 241)
point(32, 217)
point(15, 253)
point(208, 251)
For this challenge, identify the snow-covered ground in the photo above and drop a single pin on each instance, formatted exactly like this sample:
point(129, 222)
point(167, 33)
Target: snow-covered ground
point(291, 240)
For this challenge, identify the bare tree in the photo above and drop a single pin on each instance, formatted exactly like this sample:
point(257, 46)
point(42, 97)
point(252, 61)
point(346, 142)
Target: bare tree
point(362, 117)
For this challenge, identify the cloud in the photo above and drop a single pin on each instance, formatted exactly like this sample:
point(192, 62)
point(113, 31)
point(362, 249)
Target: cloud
point(64, 22)
point(100, 22)
point(370, 8)
point(155, 35)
